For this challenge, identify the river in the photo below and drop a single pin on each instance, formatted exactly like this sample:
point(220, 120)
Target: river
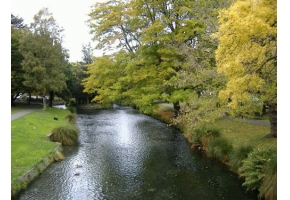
point(127, 155)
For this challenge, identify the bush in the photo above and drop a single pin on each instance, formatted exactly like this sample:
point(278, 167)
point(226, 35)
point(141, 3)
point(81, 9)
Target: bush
point(71, 103)
point(72, 106)
point(268, 187)
point(219, 148)
point(72, 109)
point(199, 133)
point(238, 155)
point(260, 172)
point(66, 134)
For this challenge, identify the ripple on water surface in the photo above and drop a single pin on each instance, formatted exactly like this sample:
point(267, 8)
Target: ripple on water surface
point(127, 155)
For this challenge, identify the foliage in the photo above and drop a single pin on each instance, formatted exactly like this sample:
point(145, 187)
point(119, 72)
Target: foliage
point(150, 68)
point(72, 109)
point(199, 72)
point(87, 53)
point(205, 132)
point(76, 73)
point(238, 155)
point(247, 56)
point(17, 73)
point(260, 172)
point(17, 22)
point(268, 187)
point(245, 138)
point(66, 134)
point(114, 27)
point(219, 148)
point(44, 58)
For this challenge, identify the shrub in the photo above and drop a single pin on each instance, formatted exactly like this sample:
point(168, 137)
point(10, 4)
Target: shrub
point(260, 172)
point(71, 103)
point(66, 134)
point(205, 135)
point(71, 118)
point(268, 187)
point(238, 155)
point(72, 106)
point(199, 133)
point(219, 148)
point(72, 109)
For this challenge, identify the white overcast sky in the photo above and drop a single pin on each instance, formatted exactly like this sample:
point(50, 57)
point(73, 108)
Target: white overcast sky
point(69, 14)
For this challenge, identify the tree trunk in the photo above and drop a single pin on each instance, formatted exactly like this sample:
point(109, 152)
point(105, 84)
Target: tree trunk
point(88, 99)
point(176, 107)
point(51, 97)
point(44, 102)
point(273, 119)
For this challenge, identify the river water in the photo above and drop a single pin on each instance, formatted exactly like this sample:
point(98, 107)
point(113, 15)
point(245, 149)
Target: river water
point(126, 155)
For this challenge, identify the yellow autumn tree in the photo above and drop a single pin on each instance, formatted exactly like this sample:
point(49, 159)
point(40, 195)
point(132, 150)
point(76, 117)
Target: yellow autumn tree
point(247, 55)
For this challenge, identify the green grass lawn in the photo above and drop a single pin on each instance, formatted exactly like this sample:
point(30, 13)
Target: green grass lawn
point(237, 133)
point(242, 134)
point(28, 139)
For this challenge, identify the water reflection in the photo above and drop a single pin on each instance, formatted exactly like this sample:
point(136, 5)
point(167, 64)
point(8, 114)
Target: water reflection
point(126, 155)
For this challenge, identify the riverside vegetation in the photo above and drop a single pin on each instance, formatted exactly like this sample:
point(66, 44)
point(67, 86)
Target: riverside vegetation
point(28, 140)
point(239, 145)
point(216, 58)
point(242, 146)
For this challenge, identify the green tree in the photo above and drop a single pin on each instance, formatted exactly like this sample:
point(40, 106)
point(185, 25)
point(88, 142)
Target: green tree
point(76, 72)
point(113, 25)
point(199, 73)
point(87, 53)
point(45, 59)
point(146, 28)
point(17, 74)
point(247, 55)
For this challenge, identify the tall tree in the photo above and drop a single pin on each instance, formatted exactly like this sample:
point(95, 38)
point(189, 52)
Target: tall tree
point(247, 55)
point(17, 74)
point(199, 74)
point(44, 57)
point(114, 26)
point(145, 27)
point(87, 53)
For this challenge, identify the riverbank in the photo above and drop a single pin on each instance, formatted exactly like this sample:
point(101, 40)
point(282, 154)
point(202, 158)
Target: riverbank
point(241, 144)
point(31, 152)
point(236, 133)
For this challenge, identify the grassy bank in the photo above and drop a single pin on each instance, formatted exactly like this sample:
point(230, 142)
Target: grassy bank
point(240, 145)
point(28, 140)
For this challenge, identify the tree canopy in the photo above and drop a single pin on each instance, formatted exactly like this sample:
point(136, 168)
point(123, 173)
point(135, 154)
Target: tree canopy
point(17, 74)
point(247, 55)
point(44, 58)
